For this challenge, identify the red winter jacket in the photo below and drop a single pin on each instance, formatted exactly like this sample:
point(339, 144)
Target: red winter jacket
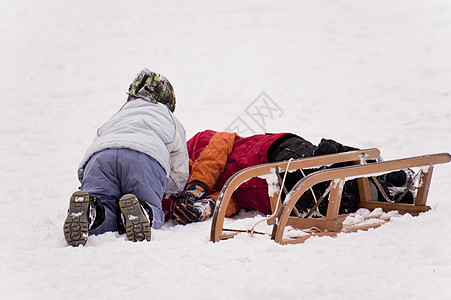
point(215, 156)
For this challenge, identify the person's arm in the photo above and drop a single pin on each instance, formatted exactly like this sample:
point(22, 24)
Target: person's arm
point(212, 160)
point(179, 161)
point(191, 206)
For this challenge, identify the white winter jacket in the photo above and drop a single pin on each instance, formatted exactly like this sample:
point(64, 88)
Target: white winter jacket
point(149, 128)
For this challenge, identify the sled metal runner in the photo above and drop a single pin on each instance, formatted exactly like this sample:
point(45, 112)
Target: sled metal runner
point(332, 223)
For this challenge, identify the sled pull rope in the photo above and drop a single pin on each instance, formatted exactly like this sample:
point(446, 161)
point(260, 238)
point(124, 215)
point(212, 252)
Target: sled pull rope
point(245, 231)
point(285, 191)
point(276, 210)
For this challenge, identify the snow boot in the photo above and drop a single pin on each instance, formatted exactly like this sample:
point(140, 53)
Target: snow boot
point(84, 213)
point(136, 217)
point(398, 182)
point(395, 184)
point(327, 146)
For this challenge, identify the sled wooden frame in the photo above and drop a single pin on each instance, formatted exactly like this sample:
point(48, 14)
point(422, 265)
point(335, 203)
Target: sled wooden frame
point(332, 223)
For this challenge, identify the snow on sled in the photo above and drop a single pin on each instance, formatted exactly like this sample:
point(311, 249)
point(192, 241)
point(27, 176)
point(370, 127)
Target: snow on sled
point(365, 166)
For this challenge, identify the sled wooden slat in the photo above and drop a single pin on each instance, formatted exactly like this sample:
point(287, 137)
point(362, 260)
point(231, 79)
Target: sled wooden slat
point(228, 235)
point(362, 227)
point(260, 170)
point(423, 190)
point(364, 189)
point(322, 224)
point(334, 199)
point(355, 228)
point(303, 238)
point(336, 176)
point(402, 208)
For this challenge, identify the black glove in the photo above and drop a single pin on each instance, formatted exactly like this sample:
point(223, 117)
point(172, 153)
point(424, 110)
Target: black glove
point(190, 207)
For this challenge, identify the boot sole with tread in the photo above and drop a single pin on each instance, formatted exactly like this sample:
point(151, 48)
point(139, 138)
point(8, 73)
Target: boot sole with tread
point(76, 225)
point(137, 226)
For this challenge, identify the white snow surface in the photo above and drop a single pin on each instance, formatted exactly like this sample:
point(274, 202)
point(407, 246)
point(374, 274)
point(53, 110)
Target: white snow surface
point(365, 73)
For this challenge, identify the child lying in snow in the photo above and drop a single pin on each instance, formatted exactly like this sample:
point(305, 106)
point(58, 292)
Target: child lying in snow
point(216, 156)
point(137, 156)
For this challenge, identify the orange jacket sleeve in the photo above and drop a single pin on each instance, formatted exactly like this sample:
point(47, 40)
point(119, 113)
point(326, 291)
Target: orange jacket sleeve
point(212, 160)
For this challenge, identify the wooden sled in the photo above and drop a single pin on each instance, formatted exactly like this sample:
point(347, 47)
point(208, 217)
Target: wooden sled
point(332, 223)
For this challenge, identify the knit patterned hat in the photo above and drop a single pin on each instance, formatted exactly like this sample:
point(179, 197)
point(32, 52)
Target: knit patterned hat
point(152, 87)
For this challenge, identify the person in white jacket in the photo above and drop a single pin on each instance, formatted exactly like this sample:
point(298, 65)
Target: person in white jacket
point(137, 156)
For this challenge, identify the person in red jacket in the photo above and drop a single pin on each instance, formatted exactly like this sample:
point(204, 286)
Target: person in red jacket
point(215, 156)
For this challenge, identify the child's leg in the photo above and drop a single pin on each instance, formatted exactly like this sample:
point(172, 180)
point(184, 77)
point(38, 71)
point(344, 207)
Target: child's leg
point(100, 180)
point(291, 147)
point(144, 177)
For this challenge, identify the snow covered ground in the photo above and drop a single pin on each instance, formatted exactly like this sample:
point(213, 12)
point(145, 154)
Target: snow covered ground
point(366, 73)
